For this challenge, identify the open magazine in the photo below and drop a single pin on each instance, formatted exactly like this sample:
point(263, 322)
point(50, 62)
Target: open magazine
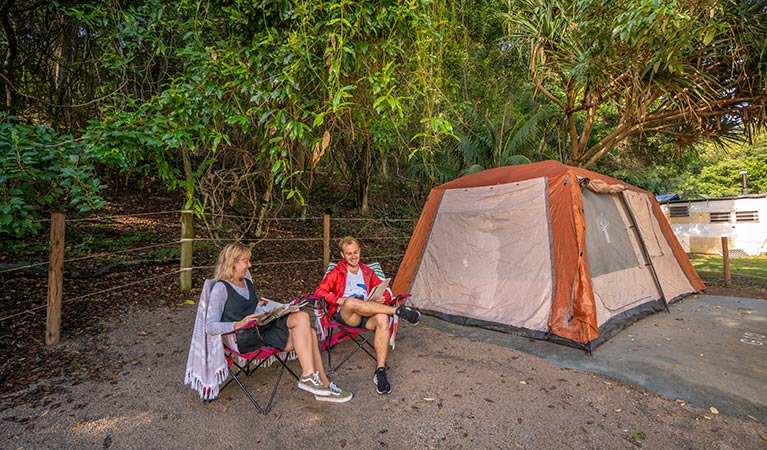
point(275, 310)
point(379, 290)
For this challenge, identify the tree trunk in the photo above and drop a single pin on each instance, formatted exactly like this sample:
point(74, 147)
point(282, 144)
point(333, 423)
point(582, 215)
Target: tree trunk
point(7, 74)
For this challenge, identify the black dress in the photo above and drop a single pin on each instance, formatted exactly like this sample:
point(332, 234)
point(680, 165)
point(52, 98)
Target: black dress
point(274, 334)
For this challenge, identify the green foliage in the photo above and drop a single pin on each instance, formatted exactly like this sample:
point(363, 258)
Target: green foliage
point(271, 84)
point(42, 171)
point(719, 174)
point(690, 70)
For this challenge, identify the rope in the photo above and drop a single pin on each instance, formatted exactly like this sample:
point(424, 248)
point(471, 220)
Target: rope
point(90, 295)
point(86, 219)
point(97, 255)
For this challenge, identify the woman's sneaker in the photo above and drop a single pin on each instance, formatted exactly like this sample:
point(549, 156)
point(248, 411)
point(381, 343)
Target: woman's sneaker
point(337, 395)
point(411, 315)
point(313, 384)
point(379, 379)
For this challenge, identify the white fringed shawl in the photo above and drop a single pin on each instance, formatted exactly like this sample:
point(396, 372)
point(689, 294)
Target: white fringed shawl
point(206, 366)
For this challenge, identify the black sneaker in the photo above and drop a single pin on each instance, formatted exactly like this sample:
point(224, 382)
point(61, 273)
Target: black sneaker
point(411, 315)
point(382, 384)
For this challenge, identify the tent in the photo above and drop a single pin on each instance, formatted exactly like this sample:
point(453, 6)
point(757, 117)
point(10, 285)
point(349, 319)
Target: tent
point(544, 250)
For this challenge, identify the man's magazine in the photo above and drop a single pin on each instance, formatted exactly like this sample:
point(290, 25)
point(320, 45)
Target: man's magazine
point(379, 290)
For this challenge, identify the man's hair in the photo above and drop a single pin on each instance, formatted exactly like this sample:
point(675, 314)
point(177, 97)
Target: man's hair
point(229, 255)
point(346, 240)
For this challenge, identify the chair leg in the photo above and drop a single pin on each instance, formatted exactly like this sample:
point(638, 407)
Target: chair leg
point(359, 344)
point(247, 370)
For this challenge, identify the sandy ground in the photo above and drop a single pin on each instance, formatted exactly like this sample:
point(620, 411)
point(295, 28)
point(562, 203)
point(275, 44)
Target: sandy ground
point(450, 392)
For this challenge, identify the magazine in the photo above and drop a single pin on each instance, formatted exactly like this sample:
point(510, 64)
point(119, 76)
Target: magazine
point(275, 310)
point(379, 290)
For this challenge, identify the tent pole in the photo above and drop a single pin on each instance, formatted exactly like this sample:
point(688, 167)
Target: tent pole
point(643, 246)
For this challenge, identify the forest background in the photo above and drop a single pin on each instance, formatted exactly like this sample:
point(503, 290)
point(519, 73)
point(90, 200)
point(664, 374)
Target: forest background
point(259, 108)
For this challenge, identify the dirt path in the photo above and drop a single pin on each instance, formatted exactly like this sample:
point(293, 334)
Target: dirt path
point(449, 393)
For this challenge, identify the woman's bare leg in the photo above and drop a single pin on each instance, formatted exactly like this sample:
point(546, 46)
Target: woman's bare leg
point(300, 340)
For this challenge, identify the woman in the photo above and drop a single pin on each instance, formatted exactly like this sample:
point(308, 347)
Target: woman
point(234, 304)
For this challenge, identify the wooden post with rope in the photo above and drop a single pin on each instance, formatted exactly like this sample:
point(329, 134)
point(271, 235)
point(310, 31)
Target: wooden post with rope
point(55, 279)
point(187, 237)
point(726, 260)
point(325, 241)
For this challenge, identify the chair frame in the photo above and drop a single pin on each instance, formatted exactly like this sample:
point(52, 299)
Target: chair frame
point(254, 360)
point(339, 332)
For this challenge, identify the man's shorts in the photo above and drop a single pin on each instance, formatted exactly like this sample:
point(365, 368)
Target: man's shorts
point(337, 317)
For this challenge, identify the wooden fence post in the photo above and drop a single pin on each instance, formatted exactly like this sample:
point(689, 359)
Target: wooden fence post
point(726, 260)
point(325, 241)
point(55, 279)
point(187, 237)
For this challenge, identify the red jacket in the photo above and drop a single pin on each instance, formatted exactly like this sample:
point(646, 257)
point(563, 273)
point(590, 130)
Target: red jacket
point(332, 286)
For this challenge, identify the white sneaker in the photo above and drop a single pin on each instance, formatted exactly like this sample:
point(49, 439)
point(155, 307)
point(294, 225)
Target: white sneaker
point(337, 395)
point(313, 384)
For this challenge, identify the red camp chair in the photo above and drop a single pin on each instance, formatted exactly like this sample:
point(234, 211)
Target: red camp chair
point(333, 333)
point(211, 357)
point(250, 362)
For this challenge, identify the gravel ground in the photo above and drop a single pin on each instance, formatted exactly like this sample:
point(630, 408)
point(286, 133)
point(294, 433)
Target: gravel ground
point(449, 392)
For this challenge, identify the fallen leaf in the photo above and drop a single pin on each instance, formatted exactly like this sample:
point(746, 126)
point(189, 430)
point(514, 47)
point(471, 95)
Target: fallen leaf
point(518, 445)
point(713, 410)
point(618, 410)
point(523, 382)
point(189, 302)
point(44, 413)
point(429, 399)
point(441, 413)
point(676, 366)
point(673, 414)
point(763, 436)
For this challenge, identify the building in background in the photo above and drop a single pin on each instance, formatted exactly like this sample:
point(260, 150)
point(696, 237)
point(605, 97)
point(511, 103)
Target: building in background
point(700, 224)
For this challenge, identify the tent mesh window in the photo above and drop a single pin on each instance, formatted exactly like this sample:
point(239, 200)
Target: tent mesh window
point(719, 217)
point(747, 216)
point(679, 211)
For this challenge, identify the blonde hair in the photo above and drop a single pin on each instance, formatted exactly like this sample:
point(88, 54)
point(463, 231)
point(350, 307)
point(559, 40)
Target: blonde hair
point(346, 240)
point(229, 255)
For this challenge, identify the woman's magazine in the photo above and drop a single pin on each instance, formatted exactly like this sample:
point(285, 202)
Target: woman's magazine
point(275, 310)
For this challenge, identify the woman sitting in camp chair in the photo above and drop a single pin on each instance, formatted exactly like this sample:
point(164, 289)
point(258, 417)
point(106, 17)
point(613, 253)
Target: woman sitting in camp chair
point(234, 307)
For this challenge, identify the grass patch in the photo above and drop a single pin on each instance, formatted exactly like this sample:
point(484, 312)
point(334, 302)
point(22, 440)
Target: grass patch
point(753, 268)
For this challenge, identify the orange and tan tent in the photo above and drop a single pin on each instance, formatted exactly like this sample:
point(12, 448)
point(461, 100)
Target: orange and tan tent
point(544, 250)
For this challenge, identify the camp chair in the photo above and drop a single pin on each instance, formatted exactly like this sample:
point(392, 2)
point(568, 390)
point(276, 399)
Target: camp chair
point(333, 332)
point(211, 359)
point(248, 363)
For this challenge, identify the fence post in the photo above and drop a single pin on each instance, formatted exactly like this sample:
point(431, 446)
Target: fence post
point(325, 241)
point(55, 279)
point(187, 237)
point(726, 260)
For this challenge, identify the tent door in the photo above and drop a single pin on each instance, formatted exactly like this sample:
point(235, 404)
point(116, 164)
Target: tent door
point(643, 247)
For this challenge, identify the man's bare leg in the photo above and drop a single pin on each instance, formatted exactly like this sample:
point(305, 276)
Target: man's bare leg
point(354, 309)
point(379, 323)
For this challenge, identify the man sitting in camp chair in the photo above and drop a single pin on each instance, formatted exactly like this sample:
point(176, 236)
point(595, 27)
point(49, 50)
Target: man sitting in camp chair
point(346, 289)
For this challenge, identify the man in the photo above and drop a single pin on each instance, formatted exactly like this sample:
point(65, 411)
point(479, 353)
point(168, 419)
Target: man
point(346, 289)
